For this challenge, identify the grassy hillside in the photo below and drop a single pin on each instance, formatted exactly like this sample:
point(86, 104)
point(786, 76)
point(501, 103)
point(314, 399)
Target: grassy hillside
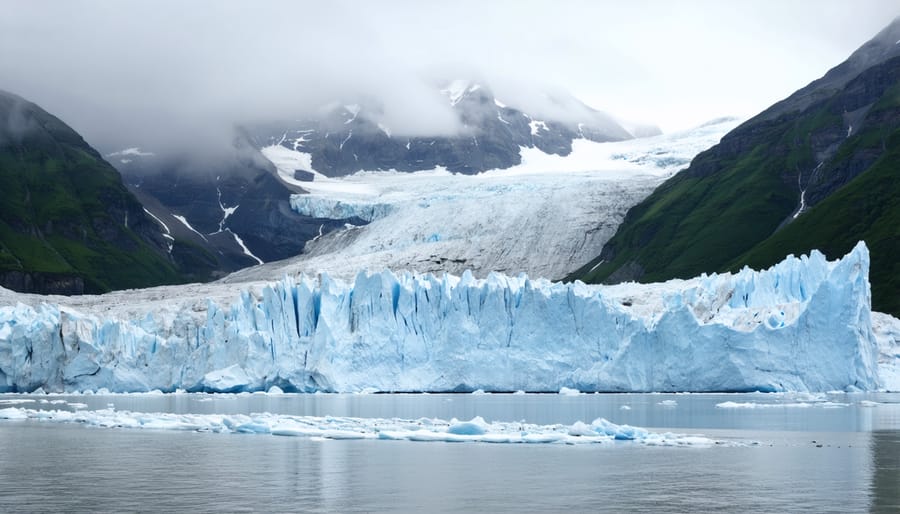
point(698, 222)
point(735, 204)
point(868, 208)
point(64, 213)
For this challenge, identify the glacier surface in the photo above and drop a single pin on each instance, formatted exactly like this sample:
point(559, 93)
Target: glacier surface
point(546, 217)
point(803, 325)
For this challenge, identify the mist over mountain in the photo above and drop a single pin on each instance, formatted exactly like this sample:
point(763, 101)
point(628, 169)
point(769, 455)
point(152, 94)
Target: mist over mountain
point(181, 74)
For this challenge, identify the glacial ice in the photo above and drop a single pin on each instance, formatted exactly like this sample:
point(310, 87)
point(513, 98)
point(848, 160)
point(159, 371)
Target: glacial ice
point(321, 207)
point(802, 325)
point(600, 431)
point(547, 216)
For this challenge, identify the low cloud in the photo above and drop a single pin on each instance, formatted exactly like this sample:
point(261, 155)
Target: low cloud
point(159, 73)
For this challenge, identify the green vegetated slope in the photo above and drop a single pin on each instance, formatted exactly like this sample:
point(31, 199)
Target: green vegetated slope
point(832, 147)
point(866, 209)
point(67, 223)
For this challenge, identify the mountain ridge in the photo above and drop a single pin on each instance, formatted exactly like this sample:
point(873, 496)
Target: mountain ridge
point(67, 223)
point(731, 206)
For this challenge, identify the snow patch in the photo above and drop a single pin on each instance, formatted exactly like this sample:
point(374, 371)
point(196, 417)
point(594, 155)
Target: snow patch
point(133, 151)
point(456, 90)
point(353, 109)
point(184, 222)
point(164, 226)
point(244, 248)
point(537, 126)
point(226, 211)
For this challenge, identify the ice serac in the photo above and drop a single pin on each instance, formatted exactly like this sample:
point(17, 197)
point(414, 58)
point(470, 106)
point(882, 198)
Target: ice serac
point(802, 325)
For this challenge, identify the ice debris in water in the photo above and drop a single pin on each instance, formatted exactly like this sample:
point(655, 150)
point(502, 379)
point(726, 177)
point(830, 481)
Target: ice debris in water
point(333, 427)
point(802, 325)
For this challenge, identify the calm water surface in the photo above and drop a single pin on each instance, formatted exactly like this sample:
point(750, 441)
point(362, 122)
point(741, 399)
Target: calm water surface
point(72, 468)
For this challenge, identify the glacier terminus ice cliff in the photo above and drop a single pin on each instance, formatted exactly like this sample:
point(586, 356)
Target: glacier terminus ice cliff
point(802, 325)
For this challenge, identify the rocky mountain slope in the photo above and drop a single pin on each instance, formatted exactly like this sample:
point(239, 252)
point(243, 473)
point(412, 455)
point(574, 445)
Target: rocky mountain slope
point(67, 223)
point(232, 204)
point(816, 170)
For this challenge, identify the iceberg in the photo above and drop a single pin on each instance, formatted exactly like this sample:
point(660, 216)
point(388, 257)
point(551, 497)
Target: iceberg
point(803, 325)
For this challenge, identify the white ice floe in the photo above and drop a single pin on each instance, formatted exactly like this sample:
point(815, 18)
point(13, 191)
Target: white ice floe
point(328, 427)
point(780, 405)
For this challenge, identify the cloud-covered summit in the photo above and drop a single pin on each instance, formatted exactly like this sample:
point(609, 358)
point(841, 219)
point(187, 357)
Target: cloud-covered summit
point(157, 72)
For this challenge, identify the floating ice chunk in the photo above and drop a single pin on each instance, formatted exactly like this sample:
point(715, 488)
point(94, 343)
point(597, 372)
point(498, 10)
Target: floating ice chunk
point(755, 405)
point(13, 413)
point(275, 390)
point(625, 407)
point(668, 403)
point(580, 428)
point(476, 426)
point(565, 391)
point(619, 432)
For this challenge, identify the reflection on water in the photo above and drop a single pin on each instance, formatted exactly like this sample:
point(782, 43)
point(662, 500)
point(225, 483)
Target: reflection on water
point(839, 455)
point(886, 463)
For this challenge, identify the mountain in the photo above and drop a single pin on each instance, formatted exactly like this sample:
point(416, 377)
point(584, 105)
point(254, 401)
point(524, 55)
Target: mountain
point(545, 217)
point(230, 204)
point(67, 223)
point(349, 138)
point(236, 207)
point(816, 170)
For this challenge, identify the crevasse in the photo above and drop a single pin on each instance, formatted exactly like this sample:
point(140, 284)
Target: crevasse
point(802, 325)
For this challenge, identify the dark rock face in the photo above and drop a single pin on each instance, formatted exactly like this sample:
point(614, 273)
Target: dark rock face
point(228, 200)
point(349, 138)
point(42, 283)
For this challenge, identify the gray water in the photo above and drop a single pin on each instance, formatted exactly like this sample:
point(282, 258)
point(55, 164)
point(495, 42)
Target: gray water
point(853, 465)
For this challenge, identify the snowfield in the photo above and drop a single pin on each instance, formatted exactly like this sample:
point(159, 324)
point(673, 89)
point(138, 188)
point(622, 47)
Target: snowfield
point(803, 325)
point(546, 217)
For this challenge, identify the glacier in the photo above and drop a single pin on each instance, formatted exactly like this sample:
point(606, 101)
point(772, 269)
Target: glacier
point(547, 216)
point(803, 325)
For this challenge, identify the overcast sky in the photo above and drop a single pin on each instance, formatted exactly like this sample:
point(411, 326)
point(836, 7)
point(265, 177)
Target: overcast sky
point(138, 72)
